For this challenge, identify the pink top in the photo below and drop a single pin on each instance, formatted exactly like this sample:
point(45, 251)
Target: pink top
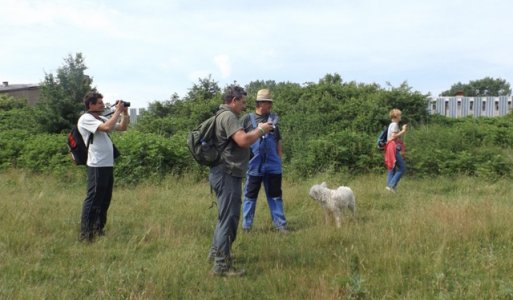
point(390, 151)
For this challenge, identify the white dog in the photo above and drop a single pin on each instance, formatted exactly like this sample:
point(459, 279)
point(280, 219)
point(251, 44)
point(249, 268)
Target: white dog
point(334, 201)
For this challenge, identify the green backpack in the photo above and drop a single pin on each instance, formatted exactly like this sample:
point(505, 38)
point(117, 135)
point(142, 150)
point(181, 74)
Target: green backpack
point(201, 142)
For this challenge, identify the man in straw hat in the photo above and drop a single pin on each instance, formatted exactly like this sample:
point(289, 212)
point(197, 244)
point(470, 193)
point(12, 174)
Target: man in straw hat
point(264, 166)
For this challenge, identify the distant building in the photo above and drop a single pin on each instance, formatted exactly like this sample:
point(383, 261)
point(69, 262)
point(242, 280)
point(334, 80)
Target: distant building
point(134, 115)
point(460, 106)
point(30, 92)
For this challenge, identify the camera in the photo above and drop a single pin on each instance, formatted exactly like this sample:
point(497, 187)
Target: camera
point(109, 110)
point(125, 103)
point(273, 121)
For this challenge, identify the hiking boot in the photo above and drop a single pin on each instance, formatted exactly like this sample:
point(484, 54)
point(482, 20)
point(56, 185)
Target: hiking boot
point(230, 272)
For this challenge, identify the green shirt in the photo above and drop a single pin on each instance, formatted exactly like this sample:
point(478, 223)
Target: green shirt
point(234, 158)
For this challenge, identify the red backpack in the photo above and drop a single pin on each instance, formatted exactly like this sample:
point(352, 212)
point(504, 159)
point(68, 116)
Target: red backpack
point(77, 148)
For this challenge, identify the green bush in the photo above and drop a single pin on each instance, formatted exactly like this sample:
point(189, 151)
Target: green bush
point(12, 143)
point(469, 146)
point(145, 157)
point(44, 153)
point(337, 152)
point(148, 156)
point(326, 127)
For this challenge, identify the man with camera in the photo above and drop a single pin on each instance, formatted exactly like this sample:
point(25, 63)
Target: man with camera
point(94, 129)
point(226, 177)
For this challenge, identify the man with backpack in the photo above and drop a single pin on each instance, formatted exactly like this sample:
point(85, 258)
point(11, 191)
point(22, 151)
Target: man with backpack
point(226, 177)
point(264, 166)
point(100, 162)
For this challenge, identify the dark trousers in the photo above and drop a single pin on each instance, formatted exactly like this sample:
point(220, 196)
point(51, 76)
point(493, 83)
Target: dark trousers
point(228, 191)
point(100, 181)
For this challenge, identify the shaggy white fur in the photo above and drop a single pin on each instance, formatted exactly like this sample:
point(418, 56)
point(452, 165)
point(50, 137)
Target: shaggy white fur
point(334, 201)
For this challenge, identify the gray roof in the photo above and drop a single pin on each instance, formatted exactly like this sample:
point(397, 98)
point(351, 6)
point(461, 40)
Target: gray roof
point(17, 87)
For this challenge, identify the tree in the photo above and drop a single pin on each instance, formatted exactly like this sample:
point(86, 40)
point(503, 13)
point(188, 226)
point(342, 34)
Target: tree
point(487, 86)
point(169, 117)
point(254, 86)
point(62, 95)
point(334, 79)
point(205, 90)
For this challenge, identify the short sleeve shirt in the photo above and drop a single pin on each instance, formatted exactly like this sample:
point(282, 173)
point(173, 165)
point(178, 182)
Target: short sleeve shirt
point(392, 128)
point(235, 158)
point(101, 151)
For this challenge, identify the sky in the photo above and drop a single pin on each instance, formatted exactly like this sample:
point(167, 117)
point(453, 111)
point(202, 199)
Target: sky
point(144, 51)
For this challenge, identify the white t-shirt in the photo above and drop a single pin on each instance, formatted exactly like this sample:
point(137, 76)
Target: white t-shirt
point(101, 151)
point(392, 128)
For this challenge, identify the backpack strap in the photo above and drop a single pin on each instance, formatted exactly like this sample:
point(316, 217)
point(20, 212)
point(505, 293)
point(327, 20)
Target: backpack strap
point(219, 112)
point(91, 136)
point(89, 140)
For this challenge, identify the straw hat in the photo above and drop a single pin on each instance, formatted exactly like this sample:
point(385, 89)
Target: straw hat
point(264, 95)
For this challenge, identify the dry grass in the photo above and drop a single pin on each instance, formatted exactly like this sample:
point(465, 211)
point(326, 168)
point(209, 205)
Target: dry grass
point(435, 238)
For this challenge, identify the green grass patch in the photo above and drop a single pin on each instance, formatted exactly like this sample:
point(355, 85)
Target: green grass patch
point(447, 238)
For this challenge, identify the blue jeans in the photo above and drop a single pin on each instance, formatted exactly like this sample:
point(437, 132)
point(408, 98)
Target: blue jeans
point(397, 172)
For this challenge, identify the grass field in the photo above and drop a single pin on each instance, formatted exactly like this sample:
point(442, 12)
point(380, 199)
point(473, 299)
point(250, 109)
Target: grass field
point(436, 238)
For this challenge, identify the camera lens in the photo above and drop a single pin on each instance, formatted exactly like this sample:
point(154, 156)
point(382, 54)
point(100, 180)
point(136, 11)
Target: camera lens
point(125, 103)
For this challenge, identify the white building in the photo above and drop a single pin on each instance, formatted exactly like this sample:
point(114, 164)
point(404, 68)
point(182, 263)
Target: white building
point(460, 106)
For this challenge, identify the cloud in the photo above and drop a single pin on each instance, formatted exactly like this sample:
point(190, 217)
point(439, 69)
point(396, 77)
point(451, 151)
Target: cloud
point(57, 15)
point(163, 46)
point(224, 65)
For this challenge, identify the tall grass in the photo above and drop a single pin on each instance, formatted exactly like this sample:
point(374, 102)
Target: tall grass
point(435, 238)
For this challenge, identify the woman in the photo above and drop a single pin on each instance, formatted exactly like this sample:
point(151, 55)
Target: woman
point(394, 151)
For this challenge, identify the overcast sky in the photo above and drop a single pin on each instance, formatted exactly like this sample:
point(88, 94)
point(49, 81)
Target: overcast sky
point(142, 51)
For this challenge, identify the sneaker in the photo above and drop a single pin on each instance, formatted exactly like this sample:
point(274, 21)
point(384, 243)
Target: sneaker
point(392, 190)
point(230, 272)
point(246, 230)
